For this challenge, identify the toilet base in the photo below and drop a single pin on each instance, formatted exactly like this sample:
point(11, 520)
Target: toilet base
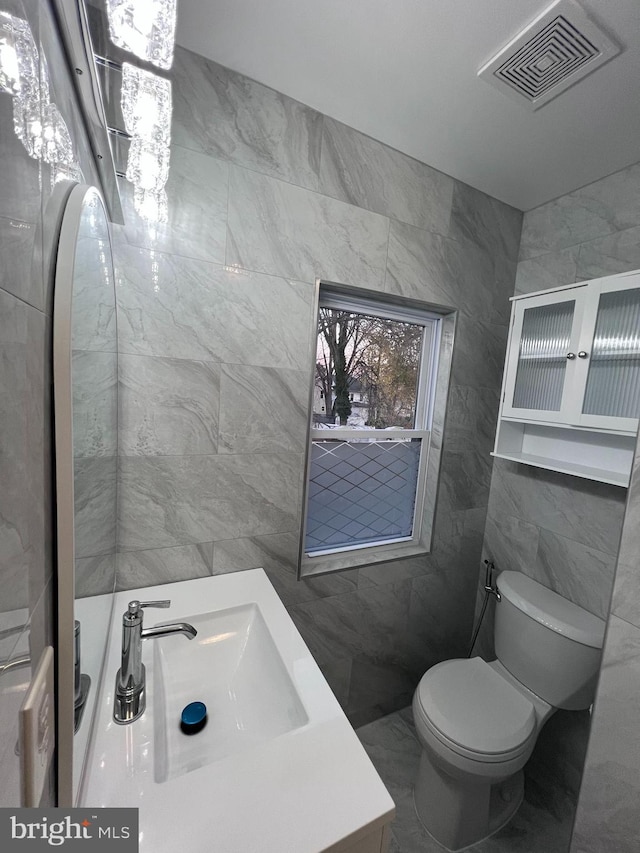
point(457, 813)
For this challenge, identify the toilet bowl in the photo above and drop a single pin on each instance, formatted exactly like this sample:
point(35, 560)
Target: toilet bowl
point(478, 721)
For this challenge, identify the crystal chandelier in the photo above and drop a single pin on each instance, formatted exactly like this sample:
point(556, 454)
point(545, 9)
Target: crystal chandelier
point(146, 109)
point(19, 75)
point(146, 104)
point(145, 28)
point(37, 122)
point(9, 70)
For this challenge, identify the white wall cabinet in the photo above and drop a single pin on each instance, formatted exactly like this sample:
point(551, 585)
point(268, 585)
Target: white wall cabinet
point(571, 389)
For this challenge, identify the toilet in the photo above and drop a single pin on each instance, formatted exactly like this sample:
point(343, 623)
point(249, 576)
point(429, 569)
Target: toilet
point(478, 722)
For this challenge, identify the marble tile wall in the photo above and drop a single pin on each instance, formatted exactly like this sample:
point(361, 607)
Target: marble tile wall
point(607, 817)
point(561, 530)
point(215, 325)
point(28, 206)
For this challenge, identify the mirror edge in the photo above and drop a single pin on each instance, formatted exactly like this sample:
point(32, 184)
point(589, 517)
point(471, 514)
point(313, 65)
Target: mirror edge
point(65, 255)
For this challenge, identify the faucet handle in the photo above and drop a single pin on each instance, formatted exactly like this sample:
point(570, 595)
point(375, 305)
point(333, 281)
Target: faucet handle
point(135, 606)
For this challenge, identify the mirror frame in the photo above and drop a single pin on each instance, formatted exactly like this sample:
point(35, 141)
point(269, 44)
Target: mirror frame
point(65, 259)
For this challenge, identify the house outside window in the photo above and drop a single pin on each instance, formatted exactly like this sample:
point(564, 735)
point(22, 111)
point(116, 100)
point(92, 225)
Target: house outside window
point(375, 372)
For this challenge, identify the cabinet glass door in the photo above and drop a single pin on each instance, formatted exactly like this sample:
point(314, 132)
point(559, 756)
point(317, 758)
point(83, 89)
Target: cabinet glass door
point(543, 344)
point(542, 361)
point(613, 379)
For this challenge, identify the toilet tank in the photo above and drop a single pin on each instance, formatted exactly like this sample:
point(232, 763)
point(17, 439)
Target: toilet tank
point(549, 644)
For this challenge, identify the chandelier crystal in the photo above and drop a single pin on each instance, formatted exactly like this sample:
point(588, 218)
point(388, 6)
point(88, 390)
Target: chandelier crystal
point(151, 206)
point(146, 28)
point(146, 109)
point(9, 70)
point(146, 104)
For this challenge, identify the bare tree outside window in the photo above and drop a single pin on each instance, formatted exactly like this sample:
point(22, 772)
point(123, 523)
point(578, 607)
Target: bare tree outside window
point(367, 369)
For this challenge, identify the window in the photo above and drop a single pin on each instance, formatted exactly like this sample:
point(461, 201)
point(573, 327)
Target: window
point(375, 372)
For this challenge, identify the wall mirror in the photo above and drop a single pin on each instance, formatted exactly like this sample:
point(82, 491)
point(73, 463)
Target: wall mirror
point(85, 371)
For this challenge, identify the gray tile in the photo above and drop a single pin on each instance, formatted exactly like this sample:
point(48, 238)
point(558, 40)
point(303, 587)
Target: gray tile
point(182, 500)
point(511, 543)
point(601, 208)
point(18, 275)
point(164, 565)
point(277, 554)
point(357, 623)
point(94, 313)
point(475, 520)
point(471, 416)
point(583, 510)
point(392, 746)
point(554, 269)
point(20, 182)
point(616, 253)
point(378, 687)
point(338, 674)
point(441, 613)
point(439, 271)
point(559, 754)
point(227, 115)
point(489, 223)
point(263, 409)
point(543, 822)
point(465, 475)
point(630, 540)
point(392, 571)
point(95, 403)
point(197, 194)
point(95, 575)
point(478, 354)
point(25, 522)
point(181, 308)
point(504, 287)
point(41, 622)
point(168, 406)
point(626, 601)
point(277, 550)
point(95, 505)
point(583, 575)
point(281, 229)
point(607, 815)
point(360, 170)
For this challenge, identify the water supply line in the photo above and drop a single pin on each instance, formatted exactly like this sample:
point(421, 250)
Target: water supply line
point(490, 588)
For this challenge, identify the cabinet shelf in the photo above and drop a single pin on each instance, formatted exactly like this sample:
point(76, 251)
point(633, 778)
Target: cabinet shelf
point(592, 454)
point(602, 475)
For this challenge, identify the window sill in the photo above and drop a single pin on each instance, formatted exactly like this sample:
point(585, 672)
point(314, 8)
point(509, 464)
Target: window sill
point(343, 560)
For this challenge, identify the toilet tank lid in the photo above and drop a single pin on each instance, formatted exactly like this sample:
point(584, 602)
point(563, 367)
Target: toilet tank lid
point(552, 610)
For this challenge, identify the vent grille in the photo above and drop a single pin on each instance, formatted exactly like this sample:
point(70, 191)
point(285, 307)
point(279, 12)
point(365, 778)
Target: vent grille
point(555, 51)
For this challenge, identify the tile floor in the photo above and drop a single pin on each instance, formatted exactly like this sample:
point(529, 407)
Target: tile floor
point(542, 825)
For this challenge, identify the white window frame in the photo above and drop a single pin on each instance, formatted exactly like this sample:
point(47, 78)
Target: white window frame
point(427, 382)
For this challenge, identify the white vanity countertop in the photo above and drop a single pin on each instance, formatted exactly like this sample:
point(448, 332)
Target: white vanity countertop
point(308, 790)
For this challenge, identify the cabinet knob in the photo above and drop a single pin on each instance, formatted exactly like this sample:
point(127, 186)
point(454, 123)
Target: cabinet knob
point(571, 356)
point(583, 354)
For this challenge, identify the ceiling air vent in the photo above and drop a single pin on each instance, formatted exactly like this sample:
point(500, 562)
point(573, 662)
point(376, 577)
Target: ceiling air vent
point(556, 50)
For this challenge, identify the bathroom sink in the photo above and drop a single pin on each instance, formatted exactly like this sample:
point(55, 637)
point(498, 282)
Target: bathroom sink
point(276, 767)
point(249, 695)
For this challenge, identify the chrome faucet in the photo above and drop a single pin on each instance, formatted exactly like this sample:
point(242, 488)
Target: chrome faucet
point(130, 701)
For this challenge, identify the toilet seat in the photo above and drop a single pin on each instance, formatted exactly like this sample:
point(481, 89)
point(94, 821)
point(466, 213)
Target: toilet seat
point(471, 709)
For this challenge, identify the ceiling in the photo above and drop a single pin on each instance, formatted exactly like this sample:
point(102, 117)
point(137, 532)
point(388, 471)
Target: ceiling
point(404, 72)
